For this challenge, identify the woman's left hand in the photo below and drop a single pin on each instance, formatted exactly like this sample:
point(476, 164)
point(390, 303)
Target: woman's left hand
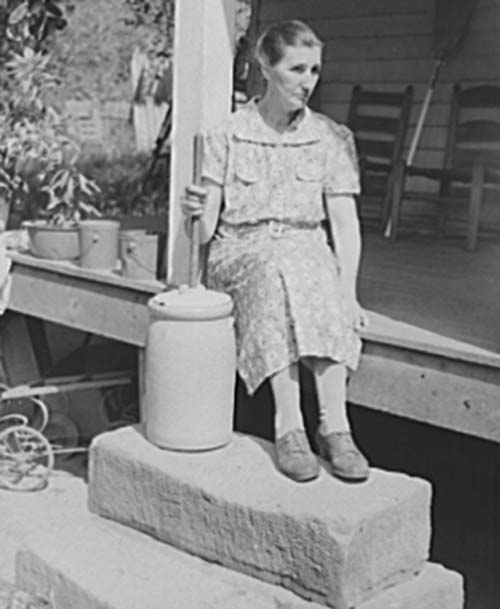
point(357, 315)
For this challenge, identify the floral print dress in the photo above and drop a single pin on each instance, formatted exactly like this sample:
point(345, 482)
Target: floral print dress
point(270, 252)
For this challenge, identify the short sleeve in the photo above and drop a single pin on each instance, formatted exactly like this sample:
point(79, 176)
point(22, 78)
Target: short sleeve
point(342, 162)
point(215, 156)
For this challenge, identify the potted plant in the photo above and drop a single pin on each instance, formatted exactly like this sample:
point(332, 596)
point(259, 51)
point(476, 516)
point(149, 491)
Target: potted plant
point(55, 233)
point(38, 159)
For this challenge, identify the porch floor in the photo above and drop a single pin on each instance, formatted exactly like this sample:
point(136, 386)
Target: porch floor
point(435, 286)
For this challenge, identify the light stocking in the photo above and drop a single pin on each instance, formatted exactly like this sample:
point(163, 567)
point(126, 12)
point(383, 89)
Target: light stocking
point(331, 381)
point(286, 390)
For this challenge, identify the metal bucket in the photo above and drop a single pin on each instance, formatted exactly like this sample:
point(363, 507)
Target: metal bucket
point(138, 254)
point(99, 244)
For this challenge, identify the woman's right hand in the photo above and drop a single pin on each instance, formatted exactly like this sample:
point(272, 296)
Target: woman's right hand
point(193, 201)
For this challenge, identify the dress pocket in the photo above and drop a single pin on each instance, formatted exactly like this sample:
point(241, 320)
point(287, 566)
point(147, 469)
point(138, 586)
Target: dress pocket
point(249, 164)
point(310, 167)
point(245, 172)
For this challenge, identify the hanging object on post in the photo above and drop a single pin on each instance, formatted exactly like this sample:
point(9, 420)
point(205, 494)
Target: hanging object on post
point(451, 23)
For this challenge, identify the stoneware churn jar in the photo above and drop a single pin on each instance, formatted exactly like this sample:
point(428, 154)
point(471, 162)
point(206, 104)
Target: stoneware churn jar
point(190, 369)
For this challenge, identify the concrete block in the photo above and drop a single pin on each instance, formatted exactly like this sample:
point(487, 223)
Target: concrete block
point(327, 541)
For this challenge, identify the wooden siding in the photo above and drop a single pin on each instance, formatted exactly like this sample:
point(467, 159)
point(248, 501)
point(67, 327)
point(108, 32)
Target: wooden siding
point(388, 44)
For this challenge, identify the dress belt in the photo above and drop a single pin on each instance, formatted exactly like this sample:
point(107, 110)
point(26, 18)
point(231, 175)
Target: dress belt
point(272, 227)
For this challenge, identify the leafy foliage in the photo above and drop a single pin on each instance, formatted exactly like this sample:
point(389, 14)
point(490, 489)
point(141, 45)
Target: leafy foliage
point(37, 157)
point(70, 195)
point(28, 23)
point(122, 185)
point(92, 55)
point(158, 16)
point(51, 50)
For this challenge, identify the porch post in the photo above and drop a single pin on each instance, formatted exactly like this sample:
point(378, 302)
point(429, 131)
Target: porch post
point(202, 83)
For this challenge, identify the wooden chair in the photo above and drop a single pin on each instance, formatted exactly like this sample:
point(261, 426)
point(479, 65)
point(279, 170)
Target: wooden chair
point(379, 121)
point(471, 163)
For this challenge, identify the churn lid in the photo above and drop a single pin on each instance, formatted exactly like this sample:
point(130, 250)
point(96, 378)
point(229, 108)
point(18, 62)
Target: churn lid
point(190, 303)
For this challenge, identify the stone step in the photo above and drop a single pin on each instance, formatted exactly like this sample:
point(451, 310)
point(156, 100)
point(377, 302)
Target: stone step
point(100, 564)
point(105, 565)
point(327, 541)
point(82, 561)
point(62, 505)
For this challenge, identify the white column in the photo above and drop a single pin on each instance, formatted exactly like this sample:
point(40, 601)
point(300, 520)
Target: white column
point(202, 84)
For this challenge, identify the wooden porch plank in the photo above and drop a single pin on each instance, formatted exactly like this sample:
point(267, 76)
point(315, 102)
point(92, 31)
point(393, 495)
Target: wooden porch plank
point(434, 397)
point(108, 308)
point(387, 331)
point(433, 284)
point(73, 270)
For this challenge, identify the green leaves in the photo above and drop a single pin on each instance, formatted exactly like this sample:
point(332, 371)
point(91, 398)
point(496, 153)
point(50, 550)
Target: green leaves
point(18, 14)
point(71, 195)
point(37, 156)
point(30, 23)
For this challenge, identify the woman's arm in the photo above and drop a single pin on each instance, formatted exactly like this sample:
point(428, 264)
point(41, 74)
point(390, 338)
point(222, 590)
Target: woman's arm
point(344, 226)
point(205, 203)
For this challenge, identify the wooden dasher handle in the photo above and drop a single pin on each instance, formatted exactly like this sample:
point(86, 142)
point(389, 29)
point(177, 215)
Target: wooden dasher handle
point(194, 253)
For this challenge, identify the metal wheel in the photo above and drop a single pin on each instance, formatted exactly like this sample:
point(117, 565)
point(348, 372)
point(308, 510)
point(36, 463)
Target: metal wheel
point(26, 459)
point(31, 408)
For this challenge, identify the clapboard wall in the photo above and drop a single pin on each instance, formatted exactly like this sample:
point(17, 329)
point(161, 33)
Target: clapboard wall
point(387, 44)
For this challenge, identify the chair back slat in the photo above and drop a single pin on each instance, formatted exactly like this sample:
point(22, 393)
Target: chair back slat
point(379, 121)
point(375, 183)
point(378, 98)
point(376, 124)
point(467, 158)
point(482, 96)
point(479, 132)
point(375, 148)
point(475, 127)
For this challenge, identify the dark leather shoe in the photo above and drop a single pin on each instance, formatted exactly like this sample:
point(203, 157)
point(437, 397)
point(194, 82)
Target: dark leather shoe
point(295, 457)
point(345, 458)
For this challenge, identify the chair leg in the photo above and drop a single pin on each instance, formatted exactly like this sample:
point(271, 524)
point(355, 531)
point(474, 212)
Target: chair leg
point(396, 201)
point(385, 212)
point(475, 200)
point(443, 209)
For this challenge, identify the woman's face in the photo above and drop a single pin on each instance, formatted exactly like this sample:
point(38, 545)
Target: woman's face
point(294, 78)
